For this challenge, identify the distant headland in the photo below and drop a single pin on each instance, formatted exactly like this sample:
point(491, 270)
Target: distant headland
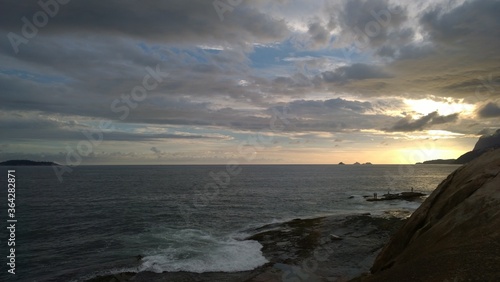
point(26, 163)
point(483, 145)
point(440, 161)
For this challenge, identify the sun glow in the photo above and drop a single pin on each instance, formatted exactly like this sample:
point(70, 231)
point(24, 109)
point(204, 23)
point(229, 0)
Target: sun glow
point(412, 156)
point(433, 134)
point(446, 107)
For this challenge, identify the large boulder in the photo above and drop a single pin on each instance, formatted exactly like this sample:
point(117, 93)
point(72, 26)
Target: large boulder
point(454, 235)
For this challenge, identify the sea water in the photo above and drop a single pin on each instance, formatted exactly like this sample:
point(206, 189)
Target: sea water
point(109, 219)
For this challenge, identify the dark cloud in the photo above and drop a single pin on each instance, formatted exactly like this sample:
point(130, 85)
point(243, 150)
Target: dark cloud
point(445, 119)
point(156, 150)
point(379, 27)
point(372, 23)
point(302, 108)
point(229, 75)
point(173, 21)
point(474, 20)
point(320, 36)
point(353, 72)
point(333, 115)
point(407, 124)
point(460, 49)
point(489, 110)
point(297, 80)
point(484, 132)
point(41, 127)
point(340, 104)
point(441, 49)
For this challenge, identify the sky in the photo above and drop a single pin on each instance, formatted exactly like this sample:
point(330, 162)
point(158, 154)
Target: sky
point(247, 82)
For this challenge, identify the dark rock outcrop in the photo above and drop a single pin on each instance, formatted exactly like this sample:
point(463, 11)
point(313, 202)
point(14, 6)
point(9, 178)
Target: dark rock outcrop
point(454, 235)
point(399, 196)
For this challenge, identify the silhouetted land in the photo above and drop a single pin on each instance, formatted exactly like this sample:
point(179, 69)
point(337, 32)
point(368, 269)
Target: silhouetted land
point(440, 161)
point(484, 144)
point(26, 163)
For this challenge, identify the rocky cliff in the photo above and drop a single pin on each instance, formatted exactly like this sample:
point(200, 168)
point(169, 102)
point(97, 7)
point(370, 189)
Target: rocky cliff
point(484, 144)
point(454, 235)
point(488, 141)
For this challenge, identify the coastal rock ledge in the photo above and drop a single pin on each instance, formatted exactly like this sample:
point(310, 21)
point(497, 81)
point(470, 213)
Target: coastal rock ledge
point(454, 235)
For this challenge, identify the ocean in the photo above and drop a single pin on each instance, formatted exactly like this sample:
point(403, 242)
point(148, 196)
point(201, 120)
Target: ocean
point(110, 219)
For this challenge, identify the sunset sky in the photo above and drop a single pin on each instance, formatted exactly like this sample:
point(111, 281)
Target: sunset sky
point(213, 82)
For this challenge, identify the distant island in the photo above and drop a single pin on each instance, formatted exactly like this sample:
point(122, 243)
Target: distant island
point(484, 144)
point(26, 163)
point(356, 163)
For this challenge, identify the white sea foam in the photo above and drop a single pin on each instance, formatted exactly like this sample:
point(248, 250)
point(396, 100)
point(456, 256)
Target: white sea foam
point(199, 252)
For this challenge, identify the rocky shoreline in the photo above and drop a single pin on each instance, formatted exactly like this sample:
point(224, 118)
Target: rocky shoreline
point(333, 248)
point(454, 235)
